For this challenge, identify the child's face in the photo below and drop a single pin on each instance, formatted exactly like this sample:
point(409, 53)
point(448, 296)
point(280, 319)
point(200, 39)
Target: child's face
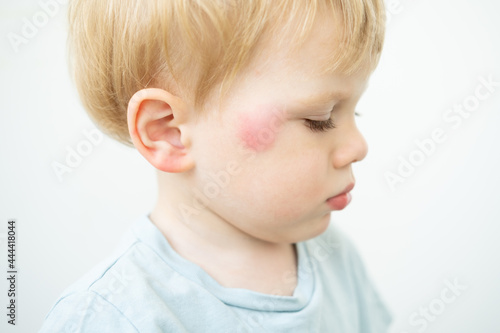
point(261, 167)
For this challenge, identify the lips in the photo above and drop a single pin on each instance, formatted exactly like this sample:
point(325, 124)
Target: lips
point(346, 190)
point(341, 200)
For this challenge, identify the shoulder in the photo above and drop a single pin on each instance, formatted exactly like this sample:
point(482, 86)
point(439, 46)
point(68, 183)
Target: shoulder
point(85, 311)
point(89, 304)
point(107, 298)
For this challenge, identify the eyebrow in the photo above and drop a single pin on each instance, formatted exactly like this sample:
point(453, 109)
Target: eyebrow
point(323, 99)
point(319, 100)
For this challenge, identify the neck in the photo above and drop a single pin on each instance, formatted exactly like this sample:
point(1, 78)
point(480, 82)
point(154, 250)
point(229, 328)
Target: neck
point(229, 255)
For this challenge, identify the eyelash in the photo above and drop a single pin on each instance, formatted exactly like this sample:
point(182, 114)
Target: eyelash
point(323, 125)
point(320, 126)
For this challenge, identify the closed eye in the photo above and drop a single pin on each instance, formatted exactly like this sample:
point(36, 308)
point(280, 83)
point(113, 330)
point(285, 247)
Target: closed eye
point(320, 126)
point(323, 125)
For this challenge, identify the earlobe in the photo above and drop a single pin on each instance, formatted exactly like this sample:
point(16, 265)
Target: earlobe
point(157, 122)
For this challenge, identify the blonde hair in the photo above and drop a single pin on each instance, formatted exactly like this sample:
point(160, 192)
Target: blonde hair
point(191, 47)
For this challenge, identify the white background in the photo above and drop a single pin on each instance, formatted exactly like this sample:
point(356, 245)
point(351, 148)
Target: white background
point(441, 223)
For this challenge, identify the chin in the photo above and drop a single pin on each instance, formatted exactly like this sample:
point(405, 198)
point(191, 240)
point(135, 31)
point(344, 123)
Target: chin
point(299, 232)
point(313, 228)
point(322, 224)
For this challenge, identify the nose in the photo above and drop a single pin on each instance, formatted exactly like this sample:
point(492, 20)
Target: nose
point(351, 147)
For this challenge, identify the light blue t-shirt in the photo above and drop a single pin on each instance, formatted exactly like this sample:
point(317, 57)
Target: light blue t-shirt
point(148, 287)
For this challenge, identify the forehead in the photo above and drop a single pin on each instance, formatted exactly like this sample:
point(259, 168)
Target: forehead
point(285, 72)
point(304, 64)
point(286, 47)
point(310, 57)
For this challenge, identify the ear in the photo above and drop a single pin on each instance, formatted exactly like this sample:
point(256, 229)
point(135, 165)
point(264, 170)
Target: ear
point(157, 123)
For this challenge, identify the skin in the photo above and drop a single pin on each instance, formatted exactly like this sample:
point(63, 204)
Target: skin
point(257, 130)
point(274, 173)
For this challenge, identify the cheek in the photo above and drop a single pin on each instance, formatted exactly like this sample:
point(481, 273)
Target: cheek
point(295, 189)
point(257, 129)
point(302, 177)
point(290, 181)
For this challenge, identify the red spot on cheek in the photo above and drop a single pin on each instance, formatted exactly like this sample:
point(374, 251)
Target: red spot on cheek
point(258, 129)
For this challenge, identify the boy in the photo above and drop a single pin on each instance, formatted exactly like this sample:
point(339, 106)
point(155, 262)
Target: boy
point(246, 108)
